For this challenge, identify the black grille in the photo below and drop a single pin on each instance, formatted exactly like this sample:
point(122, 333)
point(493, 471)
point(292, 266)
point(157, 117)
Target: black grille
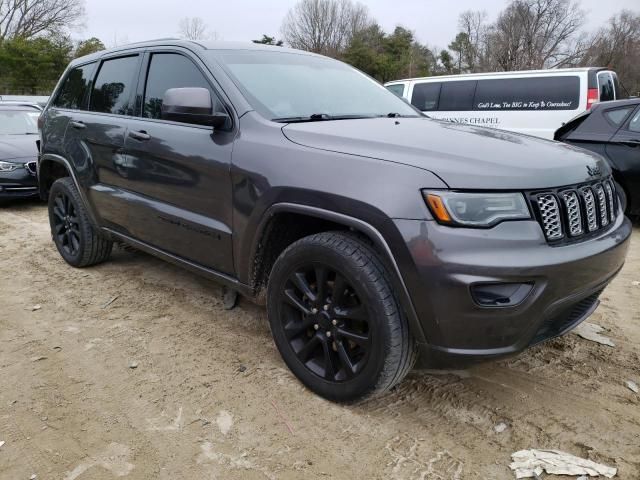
point(566, 320)
point(573, 213)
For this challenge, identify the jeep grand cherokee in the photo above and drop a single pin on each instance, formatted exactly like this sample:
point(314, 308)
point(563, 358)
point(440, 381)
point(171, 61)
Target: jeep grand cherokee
point(372, 233)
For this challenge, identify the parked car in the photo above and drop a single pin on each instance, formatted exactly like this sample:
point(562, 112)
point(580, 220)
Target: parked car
point(372, 233)
point(611, 129)
point(534, 102)
point(40, 100)
point(18, 150)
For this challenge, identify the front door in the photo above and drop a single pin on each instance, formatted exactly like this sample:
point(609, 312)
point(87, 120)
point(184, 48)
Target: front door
point(177, 175)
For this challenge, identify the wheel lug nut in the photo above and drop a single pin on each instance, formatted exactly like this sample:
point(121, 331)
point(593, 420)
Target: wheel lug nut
point(334, 321)
point(316, 326)
point(326, 307)
point(328, 334)
point(314, 310)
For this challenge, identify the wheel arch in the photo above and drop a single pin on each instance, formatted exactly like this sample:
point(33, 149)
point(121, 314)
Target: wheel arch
point(51, 167)
point(264, 251)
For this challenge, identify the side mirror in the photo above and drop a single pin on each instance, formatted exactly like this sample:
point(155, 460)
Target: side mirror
point(191, 105)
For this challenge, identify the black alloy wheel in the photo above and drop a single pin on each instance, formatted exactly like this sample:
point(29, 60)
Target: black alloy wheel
point(325, 322)
point(79, 243)
point(335, 319)
point(66, 226)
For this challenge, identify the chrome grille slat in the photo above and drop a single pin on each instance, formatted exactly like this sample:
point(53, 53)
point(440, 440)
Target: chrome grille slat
point(574, 216)
point(550, 212)
point(590, 208)
point(602, 205)
point(610, 197)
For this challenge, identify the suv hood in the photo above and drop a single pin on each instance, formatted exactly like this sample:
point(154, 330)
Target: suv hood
point(18, 146)
point(463, 156)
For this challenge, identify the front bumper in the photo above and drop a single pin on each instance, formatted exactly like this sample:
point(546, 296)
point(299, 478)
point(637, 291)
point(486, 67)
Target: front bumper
point(447, 262)
point(19, 183)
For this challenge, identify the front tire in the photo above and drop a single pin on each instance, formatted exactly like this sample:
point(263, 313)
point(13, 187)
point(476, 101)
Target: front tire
point(77, 240)
point(335, 319)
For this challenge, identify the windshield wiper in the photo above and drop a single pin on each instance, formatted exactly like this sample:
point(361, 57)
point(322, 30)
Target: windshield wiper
point(319, 117)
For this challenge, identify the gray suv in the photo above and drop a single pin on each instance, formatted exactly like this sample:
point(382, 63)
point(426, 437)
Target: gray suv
point(373, 234)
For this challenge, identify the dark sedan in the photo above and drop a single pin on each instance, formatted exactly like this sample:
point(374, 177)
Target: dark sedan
point(18, 150)
point(612, 129)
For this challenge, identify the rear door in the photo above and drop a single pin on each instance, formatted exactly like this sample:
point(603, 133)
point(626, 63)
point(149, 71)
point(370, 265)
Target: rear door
point(70, 98)
point(94, 139)
point(177, 175)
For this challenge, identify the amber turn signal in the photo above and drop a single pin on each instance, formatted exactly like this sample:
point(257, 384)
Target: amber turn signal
point(437, 208)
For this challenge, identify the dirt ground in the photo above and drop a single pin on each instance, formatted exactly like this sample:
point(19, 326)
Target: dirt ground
point(163, 383)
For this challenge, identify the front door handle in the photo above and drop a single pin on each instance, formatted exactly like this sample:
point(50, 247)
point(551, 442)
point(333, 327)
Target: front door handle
point(78, 125)
point(140, 135)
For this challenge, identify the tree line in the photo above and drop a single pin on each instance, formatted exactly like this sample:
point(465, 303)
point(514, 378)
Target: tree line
point(526, 34)
point(36, 45)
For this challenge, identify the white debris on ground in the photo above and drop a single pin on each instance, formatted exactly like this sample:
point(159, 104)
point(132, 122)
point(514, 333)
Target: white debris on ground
point(591, 331)
point(1, 443)
point(633, 386)
point(532, 463)
point(500, 427)
point(635, 283)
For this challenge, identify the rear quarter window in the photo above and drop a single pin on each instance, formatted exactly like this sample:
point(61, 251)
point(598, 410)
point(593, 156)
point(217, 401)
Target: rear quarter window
point(74, 87)
point(617, 116)
point(397, 89)
point(634, 124)
point(539, 93)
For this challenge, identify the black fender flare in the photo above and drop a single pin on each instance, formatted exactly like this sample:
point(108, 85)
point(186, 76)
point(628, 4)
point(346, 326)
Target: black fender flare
point(53, 158)
point(365, 228)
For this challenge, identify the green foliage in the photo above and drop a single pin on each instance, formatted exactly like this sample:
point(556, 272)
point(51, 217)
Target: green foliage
point(33, 66)
point(389, 56)
point(86, 47)
point(447, 61)
point(267, 40)
point(461, 47)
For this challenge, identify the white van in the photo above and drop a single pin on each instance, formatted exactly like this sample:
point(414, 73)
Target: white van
point(535, 102)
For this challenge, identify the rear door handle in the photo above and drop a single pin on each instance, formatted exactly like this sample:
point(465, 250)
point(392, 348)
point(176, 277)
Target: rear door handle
point(140, 135)
point(78, 125)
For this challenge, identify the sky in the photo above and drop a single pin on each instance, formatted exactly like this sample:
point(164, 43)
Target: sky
point(434, 22)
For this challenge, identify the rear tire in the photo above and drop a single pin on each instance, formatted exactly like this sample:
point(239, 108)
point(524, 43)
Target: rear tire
point(335, 319)
point(77, 240)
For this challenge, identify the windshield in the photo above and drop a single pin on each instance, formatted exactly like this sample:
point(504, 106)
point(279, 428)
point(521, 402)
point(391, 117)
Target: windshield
point(18, 122)
point(288, 86)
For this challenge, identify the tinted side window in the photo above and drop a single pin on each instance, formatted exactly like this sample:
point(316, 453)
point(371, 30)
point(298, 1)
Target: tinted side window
point(541, 93)
point(617, 116)
point(606, 87)
point(74, 87)
point(171, 70)
point(457, 96)
point(397, 89)
point(425, 96)
point(113, 86)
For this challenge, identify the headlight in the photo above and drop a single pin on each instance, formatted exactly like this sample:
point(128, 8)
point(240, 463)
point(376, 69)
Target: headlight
point(9, 167)
point(476, 209)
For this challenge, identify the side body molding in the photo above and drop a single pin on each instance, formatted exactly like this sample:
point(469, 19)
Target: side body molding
point(362, 227)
